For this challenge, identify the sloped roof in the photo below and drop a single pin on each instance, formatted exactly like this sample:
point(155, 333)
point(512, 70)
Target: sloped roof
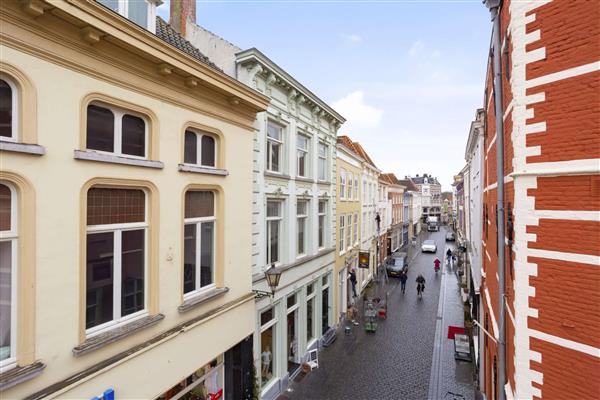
point(168, 34)
point(409, 185)
point(390, 178)
point(421, 179)
point(356, 148)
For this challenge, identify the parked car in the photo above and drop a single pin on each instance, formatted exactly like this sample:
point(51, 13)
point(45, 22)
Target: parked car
point(450, 237)
point(429, 246)
point(396, 263)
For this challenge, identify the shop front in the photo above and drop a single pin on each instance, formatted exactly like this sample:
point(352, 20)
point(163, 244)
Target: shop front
point(228, 376)
point(287, 328)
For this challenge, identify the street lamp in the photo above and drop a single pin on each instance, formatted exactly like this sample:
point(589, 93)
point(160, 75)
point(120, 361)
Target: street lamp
point(272, 275)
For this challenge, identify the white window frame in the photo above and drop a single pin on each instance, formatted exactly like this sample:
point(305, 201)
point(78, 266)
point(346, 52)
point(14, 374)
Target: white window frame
point(118, 113)
point(123, 9)
point(279, 220)
point(12, 237)
point(322, 215)
point(14, 123)
point(303, 151)
point(322, 158)
point(117, 230)
point(349, 231)
point(342, 184)
point(272, 323)
point(280, 142)
point(342, 241)
point(198, 221)
point(304, 219)
point(199, 135)
point(355, 230)
point(356, 189)
point(350, 186)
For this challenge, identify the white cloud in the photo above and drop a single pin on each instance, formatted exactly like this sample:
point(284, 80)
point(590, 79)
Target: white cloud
point(359, 114)
point(416, 48)
point(352, 39)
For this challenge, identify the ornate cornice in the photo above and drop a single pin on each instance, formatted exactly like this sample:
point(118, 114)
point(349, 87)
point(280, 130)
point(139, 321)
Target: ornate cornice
point(275, 75)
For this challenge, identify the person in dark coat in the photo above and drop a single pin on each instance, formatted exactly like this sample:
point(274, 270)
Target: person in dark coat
point(403, 279)
point(353, 282)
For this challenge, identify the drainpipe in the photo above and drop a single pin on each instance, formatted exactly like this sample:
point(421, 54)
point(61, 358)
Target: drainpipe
point(494, 7)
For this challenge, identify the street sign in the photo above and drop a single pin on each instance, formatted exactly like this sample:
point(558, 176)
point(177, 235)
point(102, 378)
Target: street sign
point(462, 347)
point(363, 259)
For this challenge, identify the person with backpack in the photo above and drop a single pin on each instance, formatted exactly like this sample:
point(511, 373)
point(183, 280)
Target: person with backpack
point(420, 285)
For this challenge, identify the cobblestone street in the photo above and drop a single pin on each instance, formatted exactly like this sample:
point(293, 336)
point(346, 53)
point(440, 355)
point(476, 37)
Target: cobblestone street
point(396, 361)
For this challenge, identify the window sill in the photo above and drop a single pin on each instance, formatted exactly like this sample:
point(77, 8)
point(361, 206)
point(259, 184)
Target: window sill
point(17, 375)
point(25, 148)
point(325, 182)
point(303, 179)
point(90, 155)
point(195, 301)
point(202, 170)
point(277, 175)
point(106, 338)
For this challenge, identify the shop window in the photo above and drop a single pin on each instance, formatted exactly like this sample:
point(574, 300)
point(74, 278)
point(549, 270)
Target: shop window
point(8, 109)
point(310, 315)
point(115, 257)
point(8, 275)
point(205, 383)
point(199, 241)
point(301, 215)
point(114, 130)
point(268, 346)
point(274, 219)
point(274, 147)
point(200, 149)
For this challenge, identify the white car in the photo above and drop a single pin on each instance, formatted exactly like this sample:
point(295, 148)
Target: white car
point(429, 246)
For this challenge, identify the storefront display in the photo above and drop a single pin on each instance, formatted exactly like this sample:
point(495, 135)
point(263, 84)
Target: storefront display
point(205, 383)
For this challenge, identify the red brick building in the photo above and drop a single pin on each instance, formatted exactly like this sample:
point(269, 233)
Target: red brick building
point(551, 104)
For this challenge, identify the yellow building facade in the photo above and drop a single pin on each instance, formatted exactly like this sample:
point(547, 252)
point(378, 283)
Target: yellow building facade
point(125, 185)
point(348, 222)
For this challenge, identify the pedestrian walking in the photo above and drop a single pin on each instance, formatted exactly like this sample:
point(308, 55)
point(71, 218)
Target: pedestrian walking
point(353, 282)
point(420, 285)
point(403, 279)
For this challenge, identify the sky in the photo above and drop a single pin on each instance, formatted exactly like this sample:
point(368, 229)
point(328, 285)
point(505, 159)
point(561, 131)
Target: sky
point(407, 75)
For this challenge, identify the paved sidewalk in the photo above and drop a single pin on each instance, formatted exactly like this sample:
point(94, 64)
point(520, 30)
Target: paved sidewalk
point(447, 374)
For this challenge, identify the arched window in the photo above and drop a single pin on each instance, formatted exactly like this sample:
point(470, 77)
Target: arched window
point(200, 149)
point(115, 130)
point(8, 109)
point(116, 256)
point(199, 241)
point(8, 273)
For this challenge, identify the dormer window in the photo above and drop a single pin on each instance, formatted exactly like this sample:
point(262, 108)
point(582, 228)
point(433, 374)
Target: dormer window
point(141, 12)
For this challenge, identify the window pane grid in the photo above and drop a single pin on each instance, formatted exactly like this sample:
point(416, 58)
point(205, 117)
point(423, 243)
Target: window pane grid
point(115, 206)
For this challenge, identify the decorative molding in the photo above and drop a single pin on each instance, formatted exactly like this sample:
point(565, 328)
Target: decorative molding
point(91, 35)
point(164, 69)
point(234, 101)
point(270, 79)
point(191, 82)
point(34, 8)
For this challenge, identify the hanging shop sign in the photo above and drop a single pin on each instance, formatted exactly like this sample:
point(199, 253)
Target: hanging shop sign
point(364, 258)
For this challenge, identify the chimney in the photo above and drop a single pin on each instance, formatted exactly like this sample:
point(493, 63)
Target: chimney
point(182, 13)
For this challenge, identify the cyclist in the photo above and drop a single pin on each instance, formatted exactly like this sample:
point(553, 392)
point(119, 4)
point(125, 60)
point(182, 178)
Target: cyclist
point(420, 285)
point(436, 265)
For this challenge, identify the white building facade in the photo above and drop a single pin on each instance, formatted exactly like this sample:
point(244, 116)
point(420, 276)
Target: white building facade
point(369, 208)
point(294, 197)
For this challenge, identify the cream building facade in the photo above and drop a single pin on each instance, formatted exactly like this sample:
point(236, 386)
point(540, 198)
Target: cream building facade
point(348, 217)
point(294, 198)
point(127, 178)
